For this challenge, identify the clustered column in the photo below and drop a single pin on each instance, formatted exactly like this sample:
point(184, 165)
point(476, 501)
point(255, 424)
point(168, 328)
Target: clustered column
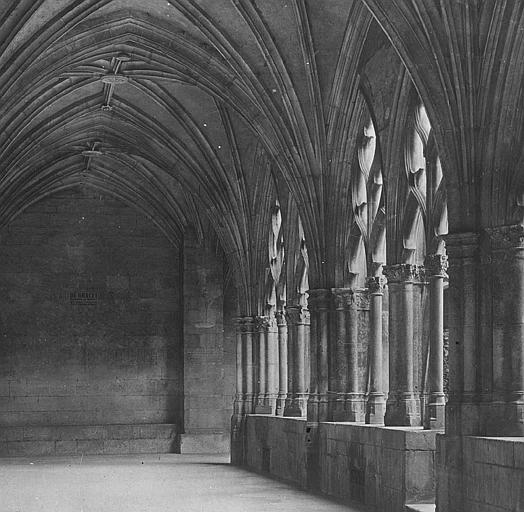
point(318, 402)
point(402, 408)
point(344, 382)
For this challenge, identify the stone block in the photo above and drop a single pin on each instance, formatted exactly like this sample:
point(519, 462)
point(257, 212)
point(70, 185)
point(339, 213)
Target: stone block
point(90, 447)
point(420, 476)
point(421, 440)
point(205, 443)
point(30, 448)
point(493, 451)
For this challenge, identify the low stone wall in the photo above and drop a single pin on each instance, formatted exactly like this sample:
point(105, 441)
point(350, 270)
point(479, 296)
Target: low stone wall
point(382, 467)
point(480, 474)
point(88, 440)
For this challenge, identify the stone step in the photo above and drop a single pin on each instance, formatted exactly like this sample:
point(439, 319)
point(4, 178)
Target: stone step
point(421, 507)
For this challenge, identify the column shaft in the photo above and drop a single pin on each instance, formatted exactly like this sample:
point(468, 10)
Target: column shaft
point(436, 266)
point(376, 406)
point(283, 363)
point(297, 319)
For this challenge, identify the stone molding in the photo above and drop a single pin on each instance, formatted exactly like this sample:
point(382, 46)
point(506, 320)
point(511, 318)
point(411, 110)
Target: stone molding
point(436, 265)
point(376, 284)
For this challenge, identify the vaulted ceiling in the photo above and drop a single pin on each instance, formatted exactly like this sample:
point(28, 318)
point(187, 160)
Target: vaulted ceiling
point(205, 111)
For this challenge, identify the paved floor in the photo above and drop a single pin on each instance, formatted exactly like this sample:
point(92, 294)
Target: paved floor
point(151, 483)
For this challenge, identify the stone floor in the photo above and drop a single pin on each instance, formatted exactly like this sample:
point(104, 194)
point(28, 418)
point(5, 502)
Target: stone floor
point(150, 483)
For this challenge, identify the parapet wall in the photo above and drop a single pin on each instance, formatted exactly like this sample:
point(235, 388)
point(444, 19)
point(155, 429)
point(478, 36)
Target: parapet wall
point(383, 468)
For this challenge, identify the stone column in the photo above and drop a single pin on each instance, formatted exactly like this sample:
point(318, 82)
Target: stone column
point(283, 362)
point(244, 393)
point(317, 407)
point(272, 364)
point(435, 268)
point(239, 405)
point(246, 328)
point(261, 402)
point(346, 382)
point(402, 407)
point(298, 323)
point(376, 404)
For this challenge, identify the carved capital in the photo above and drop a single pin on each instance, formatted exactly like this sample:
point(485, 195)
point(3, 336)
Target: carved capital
point(362, 299)
point(280, 317)
point(343, 298)
point(319, 300)
point(261, 323)
point(296, 315)
point(503, 238)
point(376, 284)
point(402, 273)
point(436, 265)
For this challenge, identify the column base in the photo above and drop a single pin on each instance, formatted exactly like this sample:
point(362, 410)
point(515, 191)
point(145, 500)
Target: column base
point(281, 405)
point(296, 406)
point(263, 406)
point(435, 417)
point(312, 409)
point(403, 411)
point(375, 409)
point(349, 407)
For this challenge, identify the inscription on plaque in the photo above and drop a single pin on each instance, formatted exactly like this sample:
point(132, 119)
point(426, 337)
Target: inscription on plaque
point(83, 298)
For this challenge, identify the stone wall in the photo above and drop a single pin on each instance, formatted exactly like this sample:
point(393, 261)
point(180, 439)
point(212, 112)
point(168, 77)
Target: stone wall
point(490, 472)
point(209, 351)
point(382, 467)
point(90, 324)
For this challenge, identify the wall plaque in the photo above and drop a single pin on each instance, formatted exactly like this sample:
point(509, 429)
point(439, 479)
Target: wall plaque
point(83, 298)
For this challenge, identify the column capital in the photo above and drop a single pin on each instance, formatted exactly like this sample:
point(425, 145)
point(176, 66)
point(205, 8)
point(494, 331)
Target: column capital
point(436, 265)
point(376, 284)
point(503, 238)
point(281, 318)
point(462, 245)
point(343, 298)
point(319, 299)
point(401, 273)
point(245, 324)
point(261, 323)
point(296, 315)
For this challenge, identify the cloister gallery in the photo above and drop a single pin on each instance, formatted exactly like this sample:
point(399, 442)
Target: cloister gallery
point(288, 228)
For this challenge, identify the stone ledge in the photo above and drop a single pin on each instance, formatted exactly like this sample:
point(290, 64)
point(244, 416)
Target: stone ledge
point(88, 439)
point(205, 443)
